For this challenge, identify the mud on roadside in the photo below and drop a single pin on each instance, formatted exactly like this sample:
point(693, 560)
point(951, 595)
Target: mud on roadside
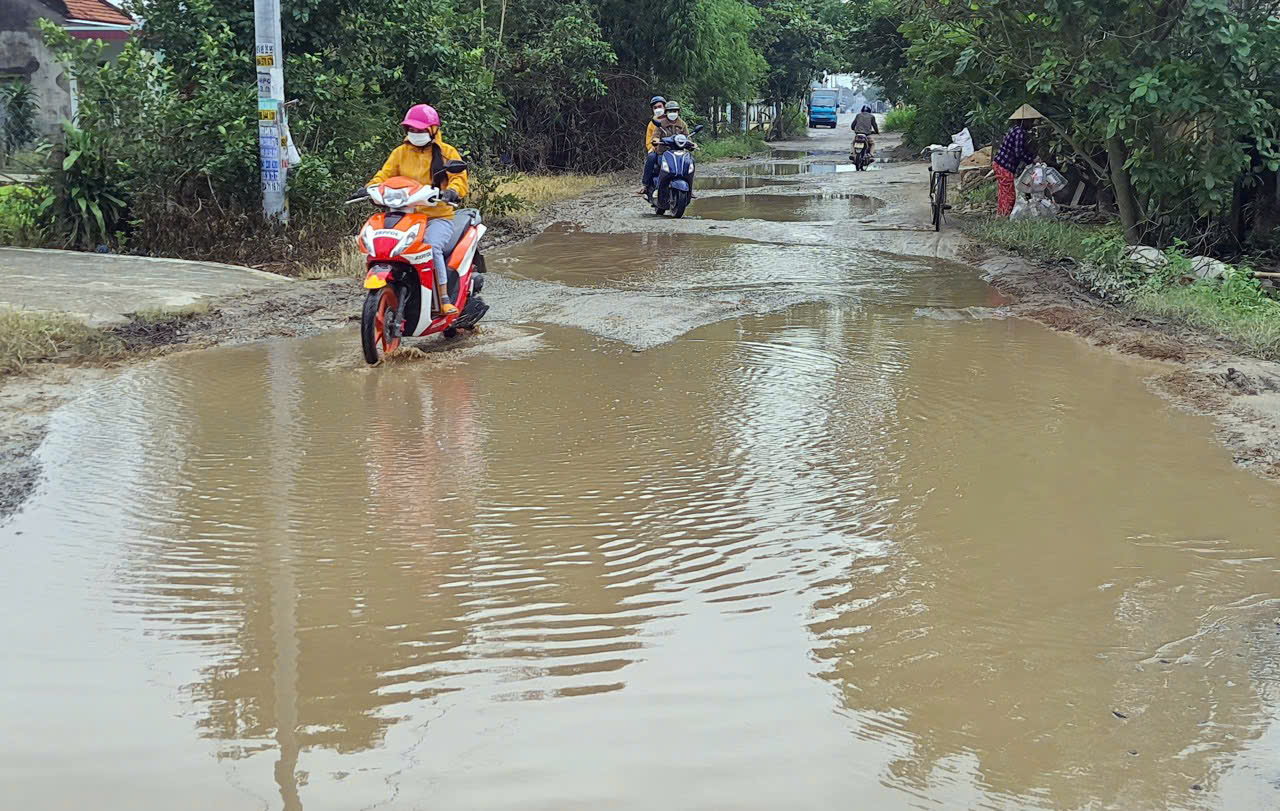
point(1207, 375)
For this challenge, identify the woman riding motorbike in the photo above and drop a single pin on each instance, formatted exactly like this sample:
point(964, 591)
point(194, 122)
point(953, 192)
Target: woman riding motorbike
point(422, 157)
point(658, 104)
point(672, 125)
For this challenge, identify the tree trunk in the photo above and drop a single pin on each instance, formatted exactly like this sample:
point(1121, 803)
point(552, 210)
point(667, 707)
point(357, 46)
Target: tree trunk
point(1130, 210)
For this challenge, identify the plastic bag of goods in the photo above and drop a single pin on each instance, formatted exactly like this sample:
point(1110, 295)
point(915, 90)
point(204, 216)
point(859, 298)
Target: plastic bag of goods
point(1054, 182)
point(965, 140)
point(1024, 183)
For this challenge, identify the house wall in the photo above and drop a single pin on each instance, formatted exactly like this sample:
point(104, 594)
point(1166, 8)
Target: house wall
point(23, 55)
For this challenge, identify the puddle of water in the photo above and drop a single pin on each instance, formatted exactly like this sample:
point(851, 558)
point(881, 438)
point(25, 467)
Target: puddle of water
point(774, 169)
point(544, 575)
point(789, 154)
point(727, 182)
point(789, 169)
point(784, 207)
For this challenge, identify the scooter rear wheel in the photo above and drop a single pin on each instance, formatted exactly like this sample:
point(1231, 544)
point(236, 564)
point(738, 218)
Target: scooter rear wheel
point(379, 306)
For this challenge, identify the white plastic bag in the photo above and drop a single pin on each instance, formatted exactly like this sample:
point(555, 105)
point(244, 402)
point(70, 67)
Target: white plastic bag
point(965, 140)
point(1033, 207)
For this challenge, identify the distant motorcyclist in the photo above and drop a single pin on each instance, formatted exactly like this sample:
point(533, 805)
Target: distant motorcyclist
point(864, 123)
point(659, 107)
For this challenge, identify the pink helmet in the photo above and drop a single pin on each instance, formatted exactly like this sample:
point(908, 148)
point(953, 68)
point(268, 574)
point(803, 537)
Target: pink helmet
point(421, 116)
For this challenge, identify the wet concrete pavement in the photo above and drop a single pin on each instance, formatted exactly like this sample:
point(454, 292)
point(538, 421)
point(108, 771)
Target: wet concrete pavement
point(102, 288)
point(840, 534)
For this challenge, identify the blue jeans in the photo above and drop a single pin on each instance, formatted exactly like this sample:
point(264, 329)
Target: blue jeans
point(439, 231)
point(650, 169)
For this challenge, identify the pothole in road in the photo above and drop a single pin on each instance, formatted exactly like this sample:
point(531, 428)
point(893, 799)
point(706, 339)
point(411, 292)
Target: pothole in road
point(727, 182)
point(784, 207)
point(793, 168)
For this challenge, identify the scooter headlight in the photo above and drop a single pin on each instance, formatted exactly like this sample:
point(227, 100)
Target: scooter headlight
point(410, 237)
point(366, 240)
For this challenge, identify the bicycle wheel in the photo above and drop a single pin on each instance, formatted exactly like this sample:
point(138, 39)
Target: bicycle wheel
point(940, 201)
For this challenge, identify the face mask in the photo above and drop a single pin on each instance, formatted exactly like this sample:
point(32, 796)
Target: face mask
point(672, 116)
point(419, 138)
point(658, 112)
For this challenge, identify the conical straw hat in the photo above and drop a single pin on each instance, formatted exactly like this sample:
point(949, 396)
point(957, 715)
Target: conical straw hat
point(1025, 111)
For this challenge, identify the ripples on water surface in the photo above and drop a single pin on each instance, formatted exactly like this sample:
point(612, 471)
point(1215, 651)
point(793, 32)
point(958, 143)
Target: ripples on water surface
point(842, 554)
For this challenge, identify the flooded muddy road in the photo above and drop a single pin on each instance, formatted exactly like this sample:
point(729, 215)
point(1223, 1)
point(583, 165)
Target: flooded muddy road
point(840, 536)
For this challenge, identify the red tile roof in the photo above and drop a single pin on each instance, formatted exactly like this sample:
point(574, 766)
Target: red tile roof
point(98, 11)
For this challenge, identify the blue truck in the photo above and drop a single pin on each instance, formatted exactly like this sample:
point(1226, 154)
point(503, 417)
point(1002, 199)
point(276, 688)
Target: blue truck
point(822, 108)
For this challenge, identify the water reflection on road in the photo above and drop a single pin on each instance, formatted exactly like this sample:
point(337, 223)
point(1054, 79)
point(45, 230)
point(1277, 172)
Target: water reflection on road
point(836, 554)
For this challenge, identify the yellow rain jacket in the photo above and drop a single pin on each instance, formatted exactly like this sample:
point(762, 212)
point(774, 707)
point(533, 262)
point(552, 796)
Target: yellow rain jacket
point(663, 130)
point(425, 164)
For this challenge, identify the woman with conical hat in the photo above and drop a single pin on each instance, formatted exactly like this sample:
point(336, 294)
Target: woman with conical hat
point(1015, 152)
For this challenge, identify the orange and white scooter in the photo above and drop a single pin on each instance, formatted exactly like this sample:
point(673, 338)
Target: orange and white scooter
point(402, 300)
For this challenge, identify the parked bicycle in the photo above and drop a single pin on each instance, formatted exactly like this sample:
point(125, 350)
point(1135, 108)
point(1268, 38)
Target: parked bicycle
point(943, 162)
point(938, 197)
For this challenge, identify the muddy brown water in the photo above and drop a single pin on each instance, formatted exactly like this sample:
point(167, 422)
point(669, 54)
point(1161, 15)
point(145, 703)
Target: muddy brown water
point(844, 553)
point(784, 207)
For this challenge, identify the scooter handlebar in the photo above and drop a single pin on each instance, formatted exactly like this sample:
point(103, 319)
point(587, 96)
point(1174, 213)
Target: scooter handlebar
point(362, 196)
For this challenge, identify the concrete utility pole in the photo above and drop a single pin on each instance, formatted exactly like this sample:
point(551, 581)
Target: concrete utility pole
point(272, 133)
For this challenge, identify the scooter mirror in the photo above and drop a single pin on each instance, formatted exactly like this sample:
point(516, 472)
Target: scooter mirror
point(453, 167)
point(698, 129)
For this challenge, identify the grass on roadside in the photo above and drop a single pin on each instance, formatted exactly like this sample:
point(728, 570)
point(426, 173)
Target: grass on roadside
point(1208, 307)
point(347, 263)
point(540, 191)
point(731, 146)
point(1235, 307)
point(1047, 240)
point(981, 195)
point(899, 119)
point(28, 338)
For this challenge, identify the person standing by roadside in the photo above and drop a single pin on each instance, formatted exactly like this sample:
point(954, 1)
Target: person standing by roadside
point(1016, 151)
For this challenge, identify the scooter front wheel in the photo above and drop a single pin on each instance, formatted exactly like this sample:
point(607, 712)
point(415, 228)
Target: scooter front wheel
point(679, 202)
point(379, 308)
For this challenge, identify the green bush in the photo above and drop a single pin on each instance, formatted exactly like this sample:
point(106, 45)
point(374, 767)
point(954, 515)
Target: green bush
point(899, 119)
point(19, 106)
point(944, 106)
point(20, 216)
point(84, 204)
point(731, 146)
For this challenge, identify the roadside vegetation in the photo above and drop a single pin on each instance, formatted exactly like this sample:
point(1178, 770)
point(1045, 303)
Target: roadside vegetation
point(900, 119)
point(1170, 112)
point(20, 218)
point(163, 157)
point(1230, 302)
point(739, 145)
point(1173, 108)
point(28, 338)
